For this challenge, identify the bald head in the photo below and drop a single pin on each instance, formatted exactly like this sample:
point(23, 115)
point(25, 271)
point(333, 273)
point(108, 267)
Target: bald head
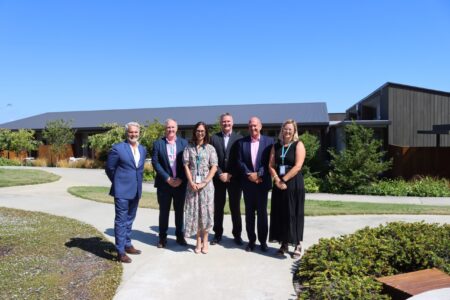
point(254, 127)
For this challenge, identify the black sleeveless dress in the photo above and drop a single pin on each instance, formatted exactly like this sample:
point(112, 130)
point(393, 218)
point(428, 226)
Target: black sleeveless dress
point(287, 215)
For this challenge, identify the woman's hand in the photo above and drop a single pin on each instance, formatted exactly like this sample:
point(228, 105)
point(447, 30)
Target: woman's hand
point(281, 185)
point(202, 185)
point(193, 186)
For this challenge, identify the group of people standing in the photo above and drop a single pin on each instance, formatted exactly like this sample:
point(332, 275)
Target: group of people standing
point(197, 177)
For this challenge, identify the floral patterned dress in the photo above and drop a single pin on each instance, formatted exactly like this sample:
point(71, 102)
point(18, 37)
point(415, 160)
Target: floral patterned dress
point(199, 206)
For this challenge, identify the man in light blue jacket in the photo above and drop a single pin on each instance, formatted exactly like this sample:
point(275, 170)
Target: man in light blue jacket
point(125, 169)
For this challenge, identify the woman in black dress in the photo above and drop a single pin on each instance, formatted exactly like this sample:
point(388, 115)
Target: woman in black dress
point(288, 194)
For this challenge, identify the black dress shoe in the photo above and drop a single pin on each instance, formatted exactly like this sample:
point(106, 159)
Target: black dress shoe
point(162, 243)
point(250, 247)
point(238, 241)
point(216, 240)
point(123, 258)
point(264, 247)
point(181, 241)
point(132, 250)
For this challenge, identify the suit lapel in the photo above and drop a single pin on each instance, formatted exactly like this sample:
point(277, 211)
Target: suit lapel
point(141, 152)
point(164, 152)
point(222, 144)
point(130, 154)
point(260, 149)
point(248, 150)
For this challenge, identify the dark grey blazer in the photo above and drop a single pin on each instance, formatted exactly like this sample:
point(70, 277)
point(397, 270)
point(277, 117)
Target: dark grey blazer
point(227, 158)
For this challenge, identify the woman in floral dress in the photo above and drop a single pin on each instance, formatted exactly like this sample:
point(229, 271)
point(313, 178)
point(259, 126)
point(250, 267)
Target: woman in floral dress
point(200, 164)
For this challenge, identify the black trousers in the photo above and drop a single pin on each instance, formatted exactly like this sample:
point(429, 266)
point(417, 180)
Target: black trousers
point(165, 196)
point(255, 199)
point(234, 201)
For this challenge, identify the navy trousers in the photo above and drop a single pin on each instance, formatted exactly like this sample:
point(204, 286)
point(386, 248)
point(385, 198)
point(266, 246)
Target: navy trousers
point(255, 200)
point(165, 196)
point(123, 222)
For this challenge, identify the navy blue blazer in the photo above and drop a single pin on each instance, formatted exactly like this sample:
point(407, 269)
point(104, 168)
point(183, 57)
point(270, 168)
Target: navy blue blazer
point(160, 161)
point(262, 161)
point(121, 169)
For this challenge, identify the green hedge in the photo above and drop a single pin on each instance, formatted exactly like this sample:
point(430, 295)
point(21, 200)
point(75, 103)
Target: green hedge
point(8, 162)
point(346, 267)
point(423, 187)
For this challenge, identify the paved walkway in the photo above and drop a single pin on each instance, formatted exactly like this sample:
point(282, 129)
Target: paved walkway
point(227, 272)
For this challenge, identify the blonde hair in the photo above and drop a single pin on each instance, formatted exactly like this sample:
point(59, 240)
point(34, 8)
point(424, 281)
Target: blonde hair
point(289, 121)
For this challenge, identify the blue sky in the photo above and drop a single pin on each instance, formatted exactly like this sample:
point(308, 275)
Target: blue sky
point(105, 54)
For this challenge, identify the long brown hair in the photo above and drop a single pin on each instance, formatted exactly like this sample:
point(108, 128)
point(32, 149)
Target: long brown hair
point(194, 137)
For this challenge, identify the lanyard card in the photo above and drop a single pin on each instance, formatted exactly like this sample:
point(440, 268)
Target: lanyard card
point(282, 170)
point(198, 179)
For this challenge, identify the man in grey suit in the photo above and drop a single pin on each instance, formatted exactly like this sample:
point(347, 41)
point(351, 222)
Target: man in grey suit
point(227, 178)
point(125, 169)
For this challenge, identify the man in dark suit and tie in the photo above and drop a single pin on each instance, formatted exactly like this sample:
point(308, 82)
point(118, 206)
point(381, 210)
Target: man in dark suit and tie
point(253, 157)
point(170, 181)
point(125, 169)
point(227, 178)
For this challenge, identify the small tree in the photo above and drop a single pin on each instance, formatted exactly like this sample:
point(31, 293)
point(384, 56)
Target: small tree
point(58, 134)
point(312, 145)
point(5, 140)
point(215, 128)
point(103, 142)
point(359, 164)
point(23, 140)
point(150, 133)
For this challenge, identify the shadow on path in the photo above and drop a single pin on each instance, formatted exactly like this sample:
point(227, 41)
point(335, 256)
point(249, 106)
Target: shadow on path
point(94, 245)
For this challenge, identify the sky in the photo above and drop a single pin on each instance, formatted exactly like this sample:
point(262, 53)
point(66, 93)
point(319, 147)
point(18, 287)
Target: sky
point(77, 55)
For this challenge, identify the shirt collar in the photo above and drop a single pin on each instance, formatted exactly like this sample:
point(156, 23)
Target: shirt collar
point(172, 141)
point(255, 139)
point(226, 134)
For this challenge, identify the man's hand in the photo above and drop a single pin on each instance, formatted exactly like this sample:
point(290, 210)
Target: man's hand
point(225, 177)
point(174, 182)
point(253, 177)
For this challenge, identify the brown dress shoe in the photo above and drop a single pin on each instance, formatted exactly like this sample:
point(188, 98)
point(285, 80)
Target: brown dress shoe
point(123, 258)
point(162, 243)
point(132, 250)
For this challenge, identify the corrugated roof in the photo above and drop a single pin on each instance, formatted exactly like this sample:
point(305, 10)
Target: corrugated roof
point(303, 113)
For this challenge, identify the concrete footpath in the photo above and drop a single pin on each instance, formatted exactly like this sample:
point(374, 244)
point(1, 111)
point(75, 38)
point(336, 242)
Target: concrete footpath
point(226, 272)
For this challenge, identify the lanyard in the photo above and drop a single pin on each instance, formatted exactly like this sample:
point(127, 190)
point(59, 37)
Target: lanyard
point(283, 153)
point(198, 157)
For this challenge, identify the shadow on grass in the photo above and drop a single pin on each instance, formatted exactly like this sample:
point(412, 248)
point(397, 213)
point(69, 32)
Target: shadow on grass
point(94, 245)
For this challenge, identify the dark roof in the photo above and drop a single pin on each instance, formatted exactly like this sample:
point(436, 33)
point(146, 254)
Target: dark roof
point(270, 114)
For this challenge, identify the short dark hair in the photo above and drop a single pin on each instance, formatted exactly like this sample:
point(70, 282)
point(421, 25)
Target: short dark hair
point(194, 138)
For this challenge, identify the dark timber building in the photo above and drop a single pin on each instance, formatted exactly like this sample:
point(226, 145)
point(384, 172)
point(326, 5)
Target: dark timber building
point(414, 124)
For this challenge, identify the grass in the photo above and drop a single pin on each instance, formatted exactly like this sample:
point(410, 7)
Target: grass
point(13, 177)
point(49, 257)
point(312, 208)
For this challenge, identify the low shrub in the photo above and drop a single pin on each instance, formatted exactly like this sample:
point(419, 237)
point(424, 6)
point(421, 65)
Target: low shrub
point(63, 163)
point(9, 162)
point(87, 164)
point(312, 184)
point(346, 267)
point(149, 173)
point(40, 162)
point(421, 187)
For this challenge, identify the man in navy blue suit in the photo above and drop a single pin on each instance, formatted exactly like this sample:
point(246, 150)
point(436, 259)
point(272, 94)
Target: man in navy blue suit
point(170, 181)
point(253, 157)
point(125, 169)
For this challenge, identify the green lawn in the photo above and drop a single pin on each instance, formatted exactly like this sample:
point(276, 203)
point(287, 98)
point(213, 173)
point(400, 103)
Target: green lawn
point(48, 257)
point(312, 208)
point(13, 177)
